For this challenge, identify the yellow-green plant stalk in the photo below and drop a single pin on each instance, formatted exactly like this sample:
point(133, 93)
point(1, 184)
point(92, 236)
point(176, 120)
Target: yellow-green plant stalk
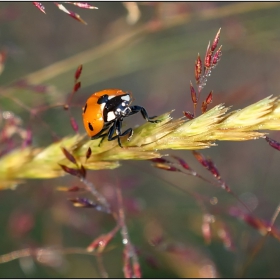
point(147, 142)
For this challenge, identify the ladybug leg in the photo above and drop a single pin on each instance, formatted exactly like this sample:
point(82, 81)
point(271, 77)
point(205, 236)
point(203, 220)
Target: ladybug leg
point(117, 128)
point(111, 132)
point(129, 131)
point(135, 109)
point(103, 137)
point(100, 135)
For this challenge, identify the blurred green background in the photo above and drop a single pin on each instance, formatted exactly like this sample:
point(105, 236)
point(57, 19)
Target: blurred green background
point(153, 58)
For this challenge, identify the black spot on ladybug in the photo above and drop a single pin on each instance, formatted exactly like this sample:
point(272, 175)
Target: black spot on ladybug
point(85, 108)
point(102, 99)
point(90, 126)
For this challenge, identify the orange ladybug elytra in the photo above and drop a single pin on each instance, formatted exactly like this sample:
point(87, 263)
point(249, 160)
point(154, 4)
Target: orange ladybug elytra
point(106, 109)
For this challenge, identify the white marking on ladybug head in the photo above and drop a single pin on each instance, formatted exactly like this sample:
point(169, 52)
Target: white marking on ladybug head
point(126, 97)
point(111, 116)
point(118, 112)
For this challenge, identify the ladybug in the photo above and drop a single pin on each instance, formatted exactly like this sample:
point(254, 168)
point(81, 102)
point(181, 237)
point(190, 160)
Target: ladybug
point(106, 109)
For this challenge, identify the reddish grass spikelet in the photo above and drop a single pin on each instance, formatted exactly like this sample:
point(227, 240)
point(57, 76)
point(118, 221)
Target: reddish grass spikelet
point(188, 115)
point(203, 161)
point(212, 168)
point(166, 167)
point(70, 13)
point(74, 124)
point(69, 156)
point(88, 153)
point(207, 61)
point(198, 69)
point(82, 5)
point(217, 57)
point(209, 165)
point(207, 58)
point(216, 40)
point(206, 102)
point(76, 17)
point(78, 72)
point(182, 163)
point(160, 160)
point(76, 86)
point(274, 144)
point(39, 6)
point(203, 107)
point(83, 171)
point(100, 243)
point(193, 94)
point(71, 171)
point(209, 98)
point(210, 62)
